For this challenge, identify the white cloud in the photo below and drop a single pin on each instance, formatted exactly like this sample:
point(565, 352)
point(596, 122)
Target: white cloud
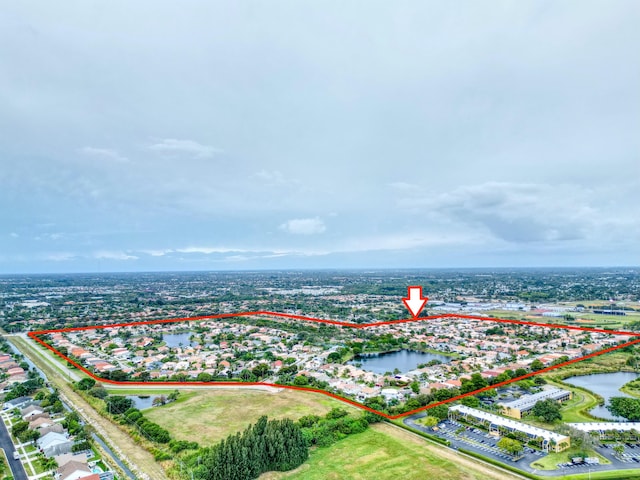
point(104, 153)
point(158, 252)
point(60, 256)
point(304, 226)
point(189, 147)
point(209, 250)
point(408, 241)
point(114, 255)
point(14, 235)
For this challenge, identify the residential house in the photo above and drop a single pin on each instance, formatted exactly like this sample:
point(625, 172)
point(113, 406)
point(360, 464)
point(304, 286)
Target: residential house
point(54, 444)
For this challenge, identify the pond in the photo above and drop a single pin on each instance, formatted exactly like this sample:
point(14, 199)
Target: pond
point(142, 401)
point(606, 385)
point(174, 340)
point(403, 360)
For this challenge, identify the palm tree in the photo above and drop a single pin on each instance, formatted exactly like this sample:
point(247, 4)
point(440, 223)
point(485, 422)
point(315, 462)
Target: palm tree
point(618, 449)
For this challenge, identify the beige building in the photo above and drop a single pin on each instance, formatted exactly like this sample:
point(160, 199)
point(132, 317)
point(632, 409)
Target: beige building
point(523, 405)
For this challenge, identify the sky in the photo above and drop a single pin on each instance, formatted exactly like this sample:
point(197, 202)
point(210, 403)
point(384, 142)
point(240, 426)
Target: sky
point(214, 135)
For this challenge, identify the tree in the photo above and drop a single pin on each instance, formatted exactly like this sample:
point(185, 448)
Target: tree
point(548, 410)
point(274, 445)
point(86, 384)
point(99, 392)
point(628, 408)
point(440, 411)
point(19, 427)
point(261, 370)
point(204, 377)
point(509, 445)
point(334, 357)
point(247, 376)
point(336, 412)
point(618, 449)
point(415, 387)
point(537, 365)
point(470, 402)
point(430, 421)
point(117, 404)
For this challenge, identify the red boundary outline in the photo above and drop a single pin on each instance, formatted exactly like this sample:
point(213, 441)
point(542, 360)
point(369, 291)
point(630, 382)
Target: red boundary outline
point(35, 336)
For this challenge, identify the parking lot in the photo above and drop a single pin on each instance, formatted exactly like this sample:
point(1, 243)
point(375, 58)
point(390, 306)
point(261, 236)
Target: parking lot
point(631, 453)
point(481, 442)
point(477, 440)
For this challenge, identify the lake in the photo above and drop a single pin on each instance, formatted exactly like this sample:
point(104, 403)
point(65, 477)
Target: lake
point(142, 401)
point(403, 360)
point(174, 340)
point(606, 385)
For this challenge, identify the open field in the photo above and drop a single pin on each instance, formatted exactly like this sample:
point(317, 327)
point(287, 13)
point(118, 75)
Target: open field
point(609, 362)
point(386, 452)
point(207, 416)
point(582, 319)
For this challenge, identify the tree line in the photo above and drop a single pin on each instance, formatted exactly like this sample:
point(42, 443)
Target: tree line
point(272, 445)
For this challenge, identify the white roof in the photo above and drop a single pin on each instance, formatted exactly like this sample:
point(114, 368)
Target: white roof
point(597, 426)
point(52, 438)
point(509, 423)
point(527, 401)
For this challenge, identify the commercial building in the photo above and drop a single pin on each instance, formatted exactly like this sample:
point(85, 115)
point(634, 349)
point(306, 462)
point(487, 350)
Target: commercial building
point(523, 405)
point(497, 424)
point(604, 428)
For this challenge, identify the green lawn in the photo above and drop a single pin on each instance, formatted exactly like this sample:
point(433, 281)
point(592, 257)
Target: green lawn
point(550, 461)
point(207, 416)
point(581, 401)
point(143, 392)
point(381, 453)
point(613, 475)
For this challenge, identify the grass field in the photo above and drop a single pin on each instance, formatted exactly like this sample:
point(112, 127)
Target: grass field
point(384, 452)
point(583, 319)
point(608, 362)
point(207, 416)
point(582, 401)
point(551, 461)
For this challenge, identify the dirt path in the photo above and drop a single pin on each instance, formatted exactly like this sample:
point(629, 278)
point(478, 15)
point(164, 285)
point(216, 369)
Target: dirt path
point(444, 452)
point(139, 460)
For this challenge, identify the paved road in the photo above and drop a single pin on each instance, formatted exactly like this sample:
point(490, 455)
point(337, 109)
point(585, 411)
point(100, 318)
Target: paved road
point(7, 445)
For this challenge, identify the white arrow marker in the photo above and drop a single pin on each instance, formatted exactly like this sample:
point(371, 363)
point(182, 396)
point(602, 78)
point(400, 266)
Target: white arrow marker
point(415, 302)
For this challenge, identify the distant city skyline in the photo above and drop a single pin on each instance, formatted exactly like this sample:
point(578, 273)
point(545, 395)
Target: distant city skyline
point(154, 136)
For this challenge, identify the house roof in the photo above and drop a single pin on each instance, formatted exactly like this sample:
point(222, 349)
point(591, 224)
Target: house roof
point(31, 408)
point(68, 457)
point(68, 470)
point(52, 438)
